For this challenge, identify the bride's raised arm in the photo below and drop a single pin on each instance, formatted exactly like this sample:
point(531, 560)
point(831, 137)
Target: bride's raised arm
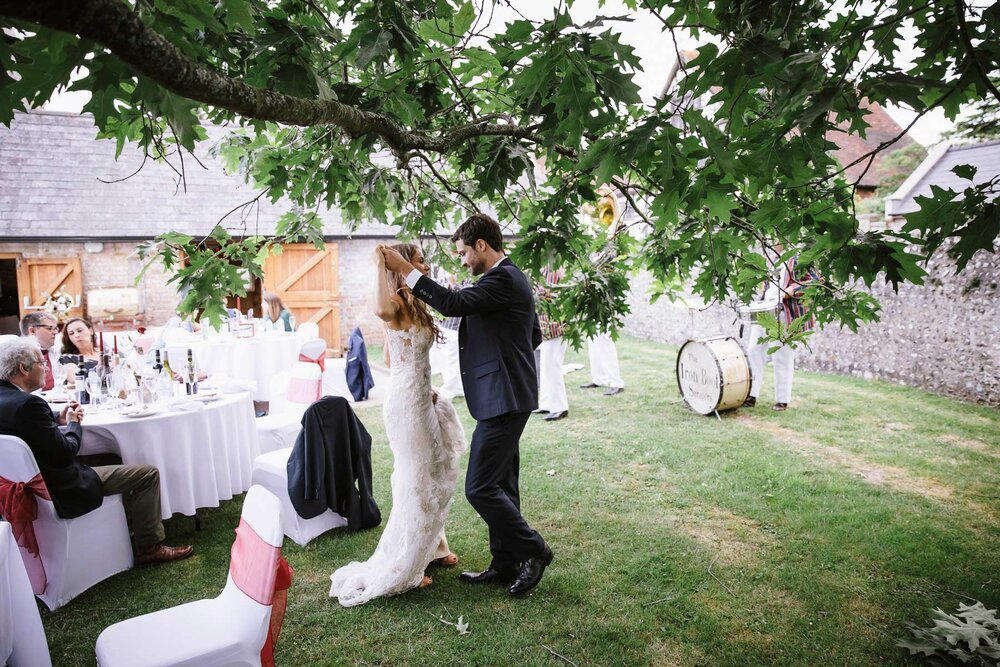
point(387, 304)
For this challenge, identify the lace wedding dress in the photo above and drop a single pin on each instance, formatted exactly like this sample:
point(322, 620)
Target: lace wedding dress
point(426, 440)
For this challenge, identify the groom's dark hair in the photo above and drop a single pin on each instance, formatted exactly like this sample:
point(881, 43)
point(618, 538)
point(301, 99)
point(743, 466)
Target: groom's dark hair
point(480, 226)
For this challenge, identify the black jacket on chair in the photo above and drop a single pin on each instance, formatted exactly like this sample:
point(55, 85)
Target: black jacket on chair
point(330, 466)
point(75, 488)
point(359, 374)
point(498, 317)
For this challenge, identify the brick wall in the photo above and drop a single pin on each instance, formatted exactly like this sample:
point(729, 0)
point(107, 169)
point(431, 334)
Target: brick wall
point(357, 275)
point(943, 336)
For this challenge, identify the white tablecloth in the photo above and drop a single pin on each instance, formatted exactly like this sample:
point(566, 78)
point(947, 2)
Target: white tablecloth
point(204, 456)
point(22, 638)
point(255, 359)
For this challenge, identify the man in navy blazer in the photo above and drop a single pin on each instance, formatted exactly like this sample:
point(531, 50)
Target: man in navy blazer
point(497, 338)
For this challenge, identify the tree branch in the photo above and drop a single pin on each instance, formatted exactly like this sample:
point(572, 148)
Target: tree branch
point(112, 24)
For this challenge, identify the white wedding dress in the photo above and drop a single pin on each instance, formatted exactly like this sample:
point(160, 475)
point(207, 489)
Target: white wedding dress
point(426, 440)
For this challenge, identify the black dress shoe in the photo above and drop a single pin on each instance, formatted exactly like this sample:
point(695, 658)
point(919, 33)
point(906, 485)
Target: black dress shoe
point(489, 576)
point(539, 411)
point(552, 416)
point(589, 385)
point(531, 572)
point(750, 402)
point(611, 391)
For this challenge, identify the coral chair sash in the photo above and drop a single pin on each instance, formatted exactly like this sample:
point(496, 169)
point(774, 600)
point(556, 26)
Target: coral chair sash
point(319, 361)
point(266, 585)
point(19, 507)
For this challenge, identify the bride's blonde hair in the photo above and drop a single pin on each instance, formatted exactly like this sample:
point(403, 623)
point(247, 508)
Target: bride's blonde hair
point(415, 308)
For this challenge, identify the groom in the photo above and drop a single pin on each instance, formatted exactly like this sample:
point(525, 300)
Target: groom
point(497, 338)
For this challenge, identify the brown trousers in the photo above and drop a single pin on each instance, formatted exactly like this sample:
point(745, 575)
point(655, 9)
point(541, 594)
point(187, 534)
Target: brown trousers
point(140, 489)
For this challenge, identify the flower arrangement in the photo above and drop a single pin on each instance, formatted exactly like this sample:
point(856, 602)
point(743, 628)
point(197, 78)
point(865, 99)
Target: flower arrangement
point(58, 304)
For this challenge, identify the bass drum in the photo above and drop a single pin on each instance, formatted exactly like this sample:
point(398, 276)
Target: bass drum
point(713, 374)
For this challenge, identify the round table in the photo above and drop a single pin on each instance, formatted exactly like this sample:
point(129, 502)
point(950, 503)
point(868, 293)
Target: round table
point(204, 454)
point(256, 359)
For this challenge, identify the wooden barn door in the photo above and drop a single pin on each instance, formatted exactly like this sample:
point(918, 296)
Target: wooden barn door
point(38, 277)
point(308, 282)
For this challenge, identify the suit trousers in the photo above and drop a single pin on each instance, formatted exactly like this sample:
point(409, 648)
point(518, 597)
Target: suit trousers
point(491, 488)
point(140, 489)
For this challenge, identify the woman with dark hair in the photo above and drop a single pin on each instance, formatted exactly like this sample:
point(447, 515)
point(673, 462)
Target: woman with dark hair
point(426, 440)
point(275, 311)
point(79, 340)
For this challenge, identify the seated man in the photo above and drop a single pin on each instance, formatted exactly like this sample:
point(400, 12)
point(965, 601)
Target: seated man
point(42, 328)
point(76, 488)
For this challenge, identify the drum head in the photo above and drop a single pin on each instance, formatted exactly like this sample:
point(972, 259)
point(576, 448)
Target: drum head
point(699, 377)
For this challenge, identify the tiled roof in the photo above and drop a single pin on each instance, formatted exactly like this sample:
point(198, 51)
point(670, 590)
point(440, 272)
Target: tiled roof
point(851, 146)
point(936, 170)
point(50, 164)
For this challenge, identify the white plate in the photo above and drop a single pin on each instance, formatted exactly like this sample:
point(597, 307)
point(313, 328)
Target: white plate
point(207, 397)
point(131, 414)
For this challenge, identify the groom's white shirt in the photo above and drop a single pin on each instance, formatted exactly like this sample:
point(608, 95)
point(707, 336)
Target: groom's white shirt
point(413, 276)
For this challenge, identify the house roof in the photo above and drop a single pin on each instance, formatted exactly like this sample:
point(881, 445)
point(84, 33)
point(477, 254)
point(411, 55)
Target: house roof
point(850, 147)
point(50, 188)
point(936, 170)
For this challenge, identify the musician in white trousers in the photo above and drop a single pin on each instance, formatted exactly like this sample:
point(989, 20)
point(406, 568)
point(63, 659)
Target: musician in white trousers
point(444, 360)
point(790, 307)
point(604, 370)
point(552, 385)
point(550, 354)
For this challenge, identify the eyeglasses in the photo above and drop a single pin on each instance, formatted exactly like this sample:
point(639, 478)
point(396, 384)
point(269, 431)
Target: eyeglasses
point(54, 328)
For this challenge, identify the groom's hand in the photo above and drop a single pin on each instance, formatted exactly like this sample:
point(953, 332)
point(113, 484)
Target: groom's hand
point(395, 262)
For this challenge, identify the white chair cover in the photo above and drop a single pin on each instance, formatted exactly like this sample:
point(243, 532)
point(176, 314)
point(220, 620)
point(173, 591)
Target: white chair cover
point(76, 553)
point(22, 637)
point(281, 426)
point(270, 472)
point(228, 630)
point(308, 330)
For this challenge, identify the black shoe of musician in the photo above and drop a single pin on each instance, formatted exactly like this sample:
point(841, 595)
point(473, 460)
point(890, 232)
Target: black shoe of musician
point(531, 572)
point(489, 576)
point(589, 385)
point(780, 407)
point(552, 416)
point(750, 402)
point(611, 391)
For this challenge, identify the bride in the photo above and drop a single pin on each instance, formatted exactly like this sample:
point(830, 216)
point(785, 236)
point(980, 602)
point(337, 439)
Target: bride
point(426, 440)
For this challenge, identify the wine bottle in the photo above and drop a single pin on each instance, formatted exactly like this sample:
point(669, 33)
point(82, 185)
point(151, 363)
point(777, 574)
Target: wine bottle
point(82, 395)
point(191, 373)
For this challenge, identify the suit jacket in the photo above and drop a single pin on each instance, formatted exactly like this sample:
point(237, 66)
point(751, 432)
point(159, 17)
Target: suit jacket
point(496, 339)
point(332, 453)
point(359, 374)
point(74, 487)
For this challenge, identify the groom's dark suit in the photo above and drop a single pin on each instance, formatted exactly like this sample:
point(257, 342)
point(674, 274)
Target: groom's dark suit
point(497, 338)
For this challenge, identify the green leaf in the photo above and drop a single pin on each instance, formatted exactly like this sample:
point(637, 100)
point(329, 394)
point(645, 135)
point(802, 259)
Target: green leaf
point(237, 15)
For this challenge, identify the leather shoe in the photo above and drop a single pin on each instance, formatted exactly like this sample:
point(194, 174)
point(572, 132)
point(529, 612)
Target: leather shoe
point(589, 385)
point(611, 391)
point(539, 411)
point(489, 576)
point(750, 402)
point(779, 407)
point(161, 553)
point(552, 416)
point(531, 572)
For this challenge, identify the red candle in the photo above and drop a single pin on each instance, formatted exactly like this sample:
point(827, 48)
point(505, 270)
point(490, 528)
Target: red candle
point(102, 341)
point(116, 344)
point(238, 306)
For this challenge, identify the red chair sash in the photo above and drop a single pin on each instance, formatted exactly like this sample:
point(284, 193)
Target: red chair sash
point(19, 507)
point(319, 361)
point(268, 586)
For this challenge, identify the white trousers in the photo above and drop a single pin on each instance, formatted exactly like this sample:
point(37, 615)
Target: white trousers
point(604, 368)
point(784, 366)
point(551, 386)
point(444, 360)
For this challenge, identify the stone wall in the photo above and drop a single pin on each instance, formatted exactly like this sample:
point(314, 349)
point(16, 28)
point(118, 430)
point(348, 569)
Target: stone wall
point(943, 336)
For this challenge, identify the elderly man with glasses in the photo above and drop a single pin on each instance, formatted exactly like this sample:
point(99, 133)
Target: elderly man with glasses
point(42, 327)
point(76, 488)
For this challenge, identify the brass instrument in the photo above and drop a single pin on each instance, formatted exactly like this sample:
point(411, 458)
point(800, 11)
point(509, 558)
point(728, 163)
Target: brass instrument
point(607, 213)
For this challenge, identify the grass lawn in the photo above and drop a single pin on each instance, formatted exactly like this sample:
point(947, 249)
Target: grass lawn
point(805, 537)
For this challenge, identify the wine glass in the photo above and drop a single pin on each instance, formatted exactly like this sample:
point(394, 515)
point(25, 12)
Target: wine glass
point(95, 390)
point(59, 379)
